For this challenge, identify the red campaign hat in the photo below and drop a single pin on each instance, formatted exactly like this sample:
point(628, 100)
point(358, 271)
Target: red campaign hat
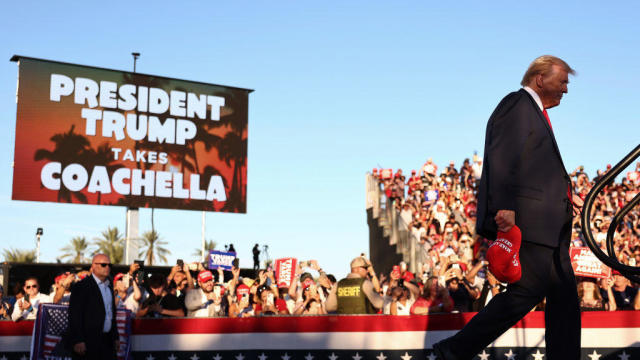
point(205, 276)
point(118, 277)
point(504, 256)
point(242, 289)
point(615, 272)
point(307, 282)
point(396, 270)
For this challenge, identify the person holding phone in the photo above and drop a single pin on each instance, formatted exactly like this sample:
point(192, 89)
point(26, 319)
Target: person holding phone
point(199, 300)
point(27, 307)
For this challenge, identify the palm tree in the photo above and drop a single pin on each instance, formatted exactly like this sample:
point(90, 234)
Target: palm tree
point(21, 256)
point(152, 247)
point(102, 156)
point(110, 243)
point(69, 147)
point(208, 245)
point(76, 250)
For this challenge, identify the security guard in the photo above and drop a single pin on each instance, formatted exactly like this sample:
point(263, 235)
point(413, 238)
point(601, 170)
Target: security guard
point(356, 294)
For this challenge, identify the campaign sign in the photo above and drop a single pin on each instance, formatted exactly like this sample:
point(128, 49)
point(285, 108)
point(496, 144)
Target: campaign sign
point(88, 135)
point(586, 264)
point(386, 174)
point(285, 271)
point(221, 260)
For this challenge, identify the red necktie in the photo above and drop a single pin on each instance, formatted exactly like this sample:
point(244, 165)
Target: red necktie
point(569, 190)
point(546, 115)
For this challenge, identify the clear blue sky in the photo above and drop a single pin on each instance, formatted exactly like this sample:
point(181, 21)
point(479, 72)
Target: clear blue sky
point(340, 87)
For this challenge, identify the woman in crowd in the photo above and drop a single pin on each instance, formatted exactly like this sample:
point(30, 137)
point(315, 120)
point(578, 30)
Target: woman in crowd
point(311, 304)
point(434, 299)
point(590, 298)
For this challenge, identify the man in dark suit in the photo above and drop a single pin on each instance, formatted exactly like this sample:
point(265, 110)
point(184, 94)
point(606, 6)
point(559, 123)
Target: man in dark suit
point(524, 183)
point(92, 314)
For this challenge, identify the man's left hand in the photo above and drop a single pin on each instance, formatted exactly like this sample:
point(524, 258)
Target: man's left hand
point(505, 219)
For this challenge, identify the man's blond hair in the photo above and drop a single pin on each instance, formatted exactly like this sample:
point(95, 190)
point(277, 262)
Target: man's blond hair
point(542, 65)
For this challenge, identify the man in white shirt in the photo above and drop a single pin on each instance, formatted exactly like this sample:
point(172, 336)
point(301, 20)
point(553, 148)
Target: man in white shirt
point(92, 325)
point(198, 301)
point(27, 307)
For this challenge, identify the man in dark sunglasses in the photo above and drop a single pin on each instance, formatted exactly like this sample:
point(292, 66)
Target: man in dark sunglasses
point(92, 321)
point(27, 307)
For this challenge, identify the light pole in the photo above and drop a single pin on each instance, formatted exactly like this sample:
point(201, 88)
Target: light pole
point(39, 233)
point(136, 55)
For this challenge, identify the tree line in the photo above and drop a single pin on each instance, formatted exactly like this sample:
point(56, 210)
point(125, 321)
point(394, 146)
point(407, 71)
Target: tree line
point(110, 242)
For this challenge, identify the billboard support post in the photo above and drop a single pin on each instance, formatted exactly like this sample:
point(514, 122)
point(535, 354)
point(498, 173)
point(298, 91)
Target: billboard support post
point(130, 252)
point(203, 241)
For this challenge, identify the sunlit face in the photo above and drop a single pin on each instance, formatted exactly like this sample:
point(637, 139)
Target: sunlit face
point(207, 286)
point(101, 266)
point(178, 277)
point(31, 287)
point(553, 86)
point(619, 281)
point(588, 287)
point(121, 286)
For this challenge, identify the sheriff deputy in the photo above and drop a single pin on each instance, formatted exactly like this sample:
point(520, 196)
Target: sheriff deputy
point(358, 292)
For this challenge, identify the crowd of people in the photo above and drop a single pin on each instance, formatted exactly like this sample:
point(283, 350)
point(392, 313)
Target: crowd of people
point(438, 211)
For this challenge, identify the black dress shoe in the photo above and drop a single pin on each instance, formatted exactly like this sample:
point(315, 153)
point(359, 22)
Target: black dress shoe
point(442, 352)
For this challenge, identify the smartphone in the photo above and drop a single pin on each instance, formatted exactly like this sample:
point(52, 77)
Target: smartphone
point(127, 280)
point(236, 263)
point(180, 263)
point(270, 298)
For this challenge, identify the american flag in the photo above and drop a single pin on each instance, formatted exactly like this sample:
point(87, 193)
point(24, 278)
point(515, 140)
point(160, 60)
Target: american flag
point(53, 321)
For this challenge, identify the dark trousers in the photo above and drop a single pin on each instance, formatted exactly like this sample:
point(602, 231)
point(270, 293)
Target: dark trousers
point(102, 349)
point(546, 272)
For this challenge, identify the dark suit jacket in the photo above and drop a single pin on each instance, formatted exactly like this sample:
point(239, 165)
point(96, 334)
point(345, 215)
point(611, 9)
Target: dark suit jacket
point(86, 315)
point(523, 171)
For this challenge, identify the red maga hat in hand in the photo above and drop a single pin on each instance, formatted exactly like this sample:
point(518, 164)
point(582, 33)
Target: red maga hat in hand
point(504, 256)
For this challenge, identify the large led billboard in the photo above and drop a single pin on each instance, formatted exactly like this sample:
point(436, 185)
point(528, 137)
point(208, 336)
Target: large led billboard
point(89, 135)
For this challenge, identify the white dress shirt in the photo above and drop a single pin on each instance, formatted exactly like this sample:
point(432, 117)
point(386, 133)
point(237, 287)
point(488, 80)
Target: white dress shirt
point(535, 96)
point(107, 297)
point(19, 314)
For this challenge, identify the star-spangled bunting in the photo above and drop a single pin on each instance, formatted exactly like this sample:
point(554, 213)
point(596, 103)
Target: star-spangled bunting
point(285, 356)
point(195, 357)
point(356, 357)
point(262, 356)
point(624, 355)
point(406, 356)
point(381, 357)
point(510, 355)
point(240, 357)
point(538, 355)
point(308, 357)
point(432, 356)
point(594, 355)
point(217, 357)
point(483, 355)
point(333, 356)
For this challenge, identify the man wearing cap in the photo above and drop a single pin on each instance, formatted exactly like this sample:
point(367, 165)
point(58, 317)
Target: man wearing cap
point(356, 294)
point(524, 183)
point(92, 321)
point(199, 300)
